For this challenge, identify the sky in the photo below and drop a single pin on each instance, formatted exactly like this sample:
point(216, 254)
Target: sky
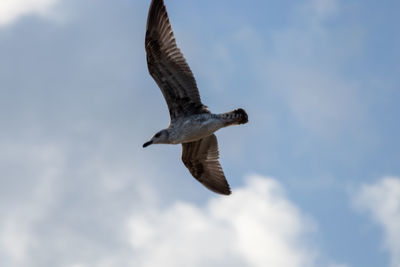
point(315, 174)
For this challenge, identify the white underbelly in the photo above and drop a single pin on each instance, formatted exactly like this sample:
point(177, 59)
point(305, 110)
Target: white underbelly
point(190, 131)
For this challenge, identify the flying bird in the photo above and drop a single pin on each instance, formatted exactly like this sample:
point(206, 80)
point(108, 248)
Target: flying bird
point(192, 124)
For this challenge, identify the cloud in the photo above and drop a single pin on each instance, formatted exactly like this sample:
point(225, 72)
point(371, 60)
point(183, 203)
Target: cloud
point(382, 201)
point(74, 116)
point(97, 214)
point(55, 211)
point(299, 64)
point(305, 68)
point(11, 10)
point(25, 201)
point(322, 8)
point(256, 226)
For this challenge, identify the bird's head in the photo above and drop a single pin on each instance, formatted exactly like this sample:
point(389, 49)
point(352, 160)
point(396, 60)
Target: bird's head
point(162, 137)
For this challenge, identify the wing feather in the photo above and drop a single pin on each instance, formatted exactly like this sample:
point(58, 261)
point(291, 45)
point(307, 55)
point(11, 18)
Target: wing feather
point(168, 66)
point(201, 158)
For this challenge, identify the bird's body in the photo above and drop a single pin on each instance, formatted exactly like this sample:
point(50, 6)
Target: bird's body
point(197, 126)
point(193, 128)
point(192, 124)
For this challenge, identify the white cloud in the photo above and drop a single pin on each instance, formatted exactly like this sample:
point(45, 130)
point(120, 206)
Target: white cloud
point(27, 200)
point(68, 208)
point(11, 10)
point(61, 214)
point(57, 212)
point(382, 201)
point(256, 226)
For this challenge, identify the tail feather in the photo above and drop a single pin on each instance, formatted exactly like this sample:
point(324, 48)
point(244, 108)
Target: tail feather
point(238, 116)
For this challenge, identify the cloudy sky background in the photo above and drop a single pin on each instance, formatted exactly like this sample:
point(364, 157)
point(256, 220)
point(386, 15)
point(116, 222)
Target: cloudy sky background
point(315, 174)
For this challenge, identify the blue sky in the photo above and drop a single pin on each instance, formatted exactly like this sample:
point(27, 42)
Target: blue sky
point(315, 174)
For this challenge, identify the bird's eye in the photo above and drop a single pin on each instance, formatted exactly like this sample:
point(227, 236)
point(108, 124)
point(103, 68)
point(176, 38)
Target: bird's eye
point(157, 135)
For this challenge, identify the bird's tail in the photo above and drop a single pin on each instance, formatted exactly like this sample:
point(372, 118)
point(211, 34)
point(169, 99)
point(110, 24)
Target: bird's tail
point(238, 116)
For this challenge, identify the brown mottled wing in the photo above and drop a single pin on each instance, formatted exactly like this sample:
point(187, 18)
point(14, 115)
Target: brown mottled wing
point(168, 66)
point(201, 158)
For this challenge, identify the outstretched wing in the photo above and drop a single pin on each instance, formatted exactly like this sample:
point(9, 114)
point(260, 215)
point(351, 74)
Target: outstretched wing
point(201, 158)
point(168, 66)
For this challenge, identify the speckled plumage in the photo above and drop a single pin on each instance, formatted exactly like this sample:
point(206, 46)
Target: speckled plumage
point(192, 124)
point(194, 127)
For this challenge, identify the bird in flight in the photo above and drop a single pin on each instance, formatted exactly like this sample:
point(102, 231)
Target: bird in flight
point(192, 124)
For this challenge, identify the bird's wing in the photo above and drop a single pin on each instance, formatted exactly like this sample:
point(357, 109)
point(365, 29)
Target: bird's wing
point(201, 158)
point(168, 66)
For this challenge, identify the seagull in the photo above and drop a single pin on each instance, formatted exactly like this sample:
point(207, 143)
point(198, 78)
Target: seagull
point(192, 124)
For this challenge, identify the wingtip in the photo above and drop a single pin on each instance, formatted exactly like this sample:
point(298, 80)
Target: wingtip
point(156, 6)
point(226, 191)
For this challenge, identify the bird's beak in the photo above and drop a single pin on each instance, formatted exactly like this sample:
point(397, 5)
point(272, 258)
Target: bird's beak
point(147, 144)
